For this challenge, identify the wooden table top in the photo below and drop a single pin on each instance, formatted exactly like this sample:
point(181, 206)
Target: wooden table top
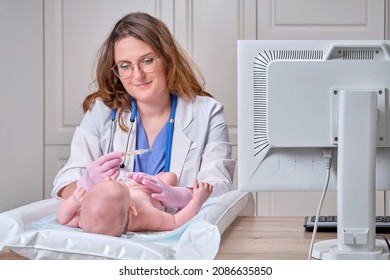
point(268, 238)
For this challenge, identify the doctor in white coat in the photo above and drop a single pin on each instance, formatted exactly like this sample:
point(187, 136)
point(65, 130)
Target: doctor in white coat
point(149, 97)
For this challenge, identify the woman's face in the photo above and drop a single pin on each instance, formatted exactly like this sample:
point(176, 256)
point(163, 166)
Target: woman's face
point(144, 87)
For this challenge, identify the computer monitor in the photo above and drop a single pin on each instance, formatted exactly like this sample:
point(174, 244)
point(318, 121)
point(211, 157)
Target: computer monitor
point(298, 100)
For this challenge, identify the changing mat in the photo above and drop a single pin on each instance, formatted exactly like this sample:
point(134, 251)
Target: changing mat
point(32, 231)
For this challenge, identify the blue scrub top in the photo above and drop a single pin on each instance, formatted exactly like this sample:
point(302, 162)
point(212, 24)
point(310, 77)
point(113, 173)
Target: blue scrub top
point(152, 162)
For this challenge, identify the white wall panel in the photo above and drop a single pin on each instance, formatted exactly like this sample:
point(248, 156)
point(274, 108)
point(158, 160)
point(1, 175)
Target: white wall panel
point(319, 19)
point(387, 20)
point(21, 105)
point(55, 158)
point(305, 203)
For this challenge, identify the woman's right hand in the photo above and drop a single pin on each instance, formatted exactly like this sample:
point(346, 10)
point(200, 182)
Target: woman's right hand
point(107, 166)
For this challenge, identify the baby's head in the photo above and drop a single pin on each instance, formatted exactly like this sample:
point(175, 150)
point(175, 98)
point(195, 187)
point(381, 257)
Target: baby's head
point(105, 209)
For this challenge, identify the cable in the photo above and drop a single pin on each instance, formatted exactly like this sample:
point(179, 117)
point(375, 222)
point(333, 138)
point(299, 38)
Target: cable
point(328, 160)
point(387, 241)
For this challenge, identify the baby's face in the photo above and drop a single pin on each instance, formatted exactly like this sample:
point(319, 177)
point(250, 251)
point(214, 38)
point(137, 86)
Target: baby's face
point(105, 208)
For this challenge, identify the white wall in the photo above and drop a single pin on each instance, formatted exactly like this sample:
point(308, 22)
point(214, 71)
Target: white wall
point(21, 105)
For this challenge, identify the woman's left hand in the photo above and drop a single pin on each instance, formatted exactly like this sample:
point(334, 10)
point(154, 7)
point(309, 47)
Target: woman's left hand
point(169, 196)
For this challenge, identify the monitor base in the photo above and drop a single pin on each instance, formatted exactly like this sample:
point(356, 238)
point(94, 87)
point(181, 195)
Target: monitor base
point(328, 250)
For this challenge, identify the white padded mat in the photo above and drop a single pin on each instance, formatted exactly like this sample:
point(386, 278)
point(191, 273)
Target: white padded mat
point(33, 231)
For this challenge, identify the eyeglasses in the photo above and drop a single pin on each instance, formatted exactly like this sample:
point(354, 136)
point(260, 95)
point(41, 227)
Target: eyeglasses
point(124, 69)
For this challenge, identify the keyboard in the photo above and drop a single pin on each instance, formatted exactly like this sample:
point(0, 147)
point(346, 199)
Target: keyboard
point(329, 224)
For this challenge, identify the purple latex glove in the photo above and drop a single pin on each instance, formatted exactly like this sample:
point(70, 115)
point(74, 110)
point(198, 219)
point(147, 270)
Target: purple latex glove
point(169, 196)
point(106, 166)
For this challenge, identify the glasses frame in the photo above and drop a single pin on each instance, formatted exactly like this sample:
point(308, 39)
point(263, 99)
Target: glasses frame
point(114, 68)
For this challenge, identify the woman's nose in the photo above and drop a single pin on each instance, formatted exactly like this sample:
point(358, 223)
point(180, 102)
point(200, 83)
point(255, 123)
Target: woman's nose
point(137, 72)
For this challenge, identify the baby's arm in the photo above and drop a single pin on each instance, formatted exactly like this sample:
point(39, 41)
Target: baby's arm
point(68, 212)
point(201, 192)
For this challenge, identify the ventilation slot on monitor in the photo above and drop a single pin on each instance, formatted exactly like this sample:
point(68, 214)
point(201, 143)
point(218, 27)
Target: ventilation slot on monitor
point(260, 88)
point(358, 54)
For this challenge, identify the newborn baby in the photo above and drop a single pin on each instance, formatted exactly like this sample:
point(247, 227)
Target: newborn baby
point(115, 207)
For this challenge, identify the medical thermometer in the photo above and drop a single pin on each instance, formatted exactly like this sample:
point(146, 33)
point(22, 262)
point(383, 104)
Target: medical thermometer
point(135, 152)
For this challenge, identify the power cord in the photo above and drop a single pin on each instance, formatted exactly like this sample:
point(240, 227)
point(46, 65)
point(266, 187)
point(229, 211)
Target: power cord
point(328, 163)
point(387, 241)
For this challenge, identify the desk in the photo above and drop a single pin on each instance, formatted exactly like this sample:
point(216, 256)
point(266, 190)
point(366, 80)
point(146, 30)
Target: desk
point(268, 238)
point(258, 238)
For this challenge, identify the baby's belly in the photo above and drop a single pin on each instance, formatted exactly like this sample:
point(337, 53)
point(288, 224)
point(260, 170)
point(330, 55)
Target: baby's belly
point(157, 204)
point(144, 194)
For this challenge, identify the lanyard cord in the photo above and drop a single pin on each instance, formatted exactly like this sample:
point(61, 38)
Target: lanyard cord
point(132, 119)
point(168, 144)
point(113, 119)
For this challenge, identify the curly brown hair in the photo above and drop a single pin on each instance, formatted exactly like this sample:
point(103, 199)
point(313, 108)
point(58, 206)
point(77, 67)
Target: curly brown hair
point(183, 77)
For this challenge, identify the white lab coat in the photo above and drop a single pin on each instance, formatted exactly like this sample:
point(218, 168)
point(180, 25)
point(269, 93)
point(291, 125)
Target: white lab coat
point(200, 147)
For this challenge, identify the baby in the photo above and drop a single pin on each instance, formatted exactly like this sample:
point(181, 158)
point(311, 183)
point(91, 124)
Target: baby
point(115, 207)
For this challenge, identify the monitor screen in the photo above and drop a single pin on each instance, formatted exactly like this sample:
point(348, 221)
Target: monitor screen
point(300, 102)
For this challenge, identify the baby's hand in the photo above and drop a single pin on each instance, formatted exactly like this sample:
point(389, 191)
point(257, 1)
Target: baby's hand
point(201, 191)
point(78, 195)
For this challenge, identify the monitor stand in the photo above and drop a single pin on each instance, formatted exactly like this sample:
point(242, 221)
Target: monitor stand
point(357, 133)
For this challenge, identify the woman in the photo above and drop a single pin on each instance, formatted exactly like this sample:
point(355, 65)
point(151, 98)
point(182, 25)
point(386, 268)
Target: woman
point(143, 73)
